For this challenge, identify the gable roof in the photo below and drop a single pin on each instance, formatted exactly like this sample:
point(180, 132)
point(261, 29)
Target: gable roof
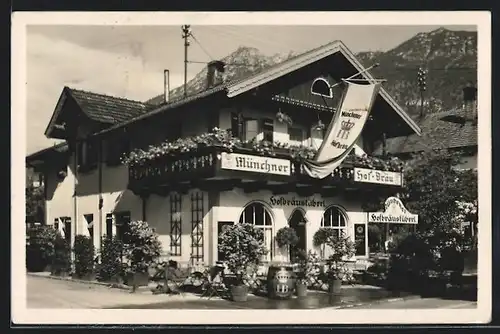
point(237, 86)
point(99, 107)
point(39, 155)
point(307, 58)
point(437, 133)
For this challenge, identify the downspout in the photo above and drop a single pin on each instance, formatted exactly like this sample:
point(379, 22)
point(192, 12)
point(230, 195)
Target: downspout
point(75, 201)
point(144, 207)
point(100, 162)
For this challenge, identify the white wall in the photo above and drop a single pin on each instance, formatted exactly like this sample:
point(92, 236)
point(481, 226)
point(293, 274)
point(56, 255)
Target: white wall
point(233, 202)
point(158, 216)
point(116, 197)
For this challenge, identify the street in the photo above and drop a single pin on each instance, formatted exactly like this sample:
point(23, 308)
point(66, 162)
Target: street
point(44, 292)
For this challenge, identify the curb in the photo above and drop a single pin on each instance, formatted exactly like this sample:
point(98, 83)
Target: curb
point(377, 302)
point(103, 284)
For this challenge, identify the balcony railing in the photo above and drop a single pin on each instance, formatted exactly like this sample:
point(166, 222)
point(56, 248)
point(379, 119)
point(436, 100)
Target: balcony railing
point(205, 163)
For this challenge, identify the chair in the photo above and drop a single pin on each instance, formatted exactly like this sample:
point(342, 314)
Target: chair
point(214, 283)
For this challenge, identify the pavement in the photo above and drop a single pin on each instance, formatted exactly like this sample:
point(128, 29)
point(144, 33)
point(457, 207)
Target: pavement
point(45, 292)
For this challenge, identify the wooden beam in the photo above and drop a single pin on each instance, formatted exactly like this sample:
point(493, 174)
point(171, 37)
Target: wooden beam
point(251, 187)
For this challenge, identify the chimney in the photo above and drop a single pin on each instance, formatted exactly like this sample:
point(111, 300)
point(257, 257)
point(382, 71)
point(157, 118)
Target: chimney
point(215, 72)
point(470, 98)
point(166, 86)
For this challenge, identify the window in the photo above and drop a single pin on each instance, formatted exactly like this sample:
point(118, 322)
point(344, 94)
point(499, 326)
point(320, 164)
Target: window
point(251, 129)
point(56, 224)
point(122, 221)
point(87, 154)
point(197, 213)
point(268, 130)
point(109, 225)
point(235, 125)
point(335, 219)
point(175, 224)
point(89, 218)
point(259, 216)
point(66, 228)
point(296, 135)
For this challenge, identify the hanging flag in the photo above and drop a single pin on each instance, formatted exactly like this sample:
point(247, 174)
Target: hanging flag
point(344, 129)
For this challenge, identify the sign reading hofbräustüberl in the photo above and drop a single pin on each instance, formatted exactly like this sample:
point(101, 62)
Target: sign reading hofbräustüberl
point(377, 176)
point(394, 212)
point(256, 164)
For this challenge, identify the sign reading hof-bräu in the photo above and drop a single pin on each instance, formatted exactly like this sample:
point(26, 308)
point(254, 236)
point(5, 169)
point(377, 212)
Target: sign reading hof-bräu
point(256, 164)
point(377, 176)
point(395, 213)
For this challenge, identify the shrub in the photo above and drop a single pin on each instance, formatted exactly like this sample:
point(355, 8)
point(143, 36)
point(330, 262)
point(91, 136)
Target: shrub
point(84, 255)
point(61, 262)
point(242, 248)
point(110, 266)
point(286, 236)
point(40, 247)
point(375, 233)
point(142, 248)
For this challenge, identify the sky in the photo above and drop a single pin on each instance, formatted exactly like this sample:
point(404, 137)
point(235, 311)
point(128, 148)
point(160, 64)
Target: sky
point(128, 61)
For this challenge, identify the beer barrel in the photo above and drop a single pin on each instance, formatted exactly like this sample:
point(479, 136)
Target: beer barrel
point(280, 281)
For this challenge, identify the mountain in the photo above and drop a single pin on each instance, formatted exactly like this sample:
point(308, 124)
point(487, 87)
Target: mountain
point(239, 64)
point(450, 58)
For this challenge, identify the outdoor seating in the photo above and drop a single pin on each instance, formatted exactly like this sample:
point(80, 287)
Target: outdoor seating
point(169, 274)
point(214, 283)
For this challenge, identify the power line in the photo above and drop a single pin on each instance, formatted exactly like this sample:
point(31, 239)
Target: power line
point(201, 46)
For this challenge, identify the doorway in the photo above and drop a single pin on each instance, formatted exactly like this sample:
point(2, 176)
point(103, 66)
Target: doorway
point(298, 222)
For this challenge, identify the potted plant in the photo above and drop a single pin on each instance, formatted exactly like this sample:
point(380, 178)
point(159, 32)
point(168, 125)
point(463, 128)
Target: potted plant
point(242, 248)
point(342, 248)
point(141, 250)
point(301, 264)
point(286, 238)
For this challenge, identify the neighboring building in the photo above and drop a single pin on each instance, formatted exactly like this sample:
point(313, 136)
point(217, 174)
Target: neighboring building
point(455, 130)
point(189, 197)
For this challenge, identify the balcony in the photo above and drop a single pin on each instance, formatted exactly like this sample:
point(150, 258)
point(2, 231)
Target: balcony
point(259, 166)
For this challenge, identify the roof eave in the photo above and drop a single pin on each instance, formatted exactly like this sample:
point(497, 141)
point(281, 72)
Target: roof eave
point(57, 111)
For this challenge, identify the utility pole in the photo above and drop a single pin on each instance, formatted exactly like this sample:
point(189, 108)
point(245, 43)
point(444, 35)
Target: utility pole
point(186, 32)
point(421, 81)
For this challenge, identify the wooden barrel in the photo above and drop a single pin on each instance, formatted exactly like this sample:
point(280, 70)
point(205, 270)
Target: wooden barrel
point(280, 281)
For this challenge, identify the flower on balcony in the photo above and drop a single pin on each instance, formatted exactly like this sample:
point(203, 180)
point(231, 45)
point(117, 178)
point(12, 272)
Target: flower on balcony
point(224, 140)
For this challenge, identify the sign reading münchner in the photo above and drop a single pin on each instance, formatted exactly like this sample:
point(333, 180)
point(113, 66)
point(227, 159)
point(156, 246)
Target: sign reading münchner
point(377, 176)
point(256, 164)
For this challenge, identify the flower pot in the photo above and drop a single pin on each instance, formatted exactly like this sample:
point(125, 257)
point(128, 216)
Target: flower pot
point(334, 286)
point(301, 289)
point(239, 293)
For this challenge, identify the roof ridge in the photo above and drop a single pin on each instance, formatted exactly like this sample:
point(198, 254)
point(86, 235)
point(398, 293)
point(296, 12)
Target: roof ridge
point(107, 95)
point(291, 59)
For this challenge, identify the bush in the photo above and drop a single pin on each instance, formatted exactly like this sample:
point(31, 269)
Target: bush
point(39, 247)
point(242, 248)
point(375, 234)
point(142, 248)
point(61, 262)
point(110, 266)
point(286, 236)
point(84, 256)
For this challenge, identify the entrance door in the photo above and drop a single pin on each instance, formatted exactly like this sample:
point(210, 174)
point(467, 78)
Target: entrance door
point(298, 223)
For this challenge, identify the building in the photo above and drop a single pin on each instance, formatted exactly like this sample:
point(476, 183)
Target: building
point(455, 130)
point(188, 197)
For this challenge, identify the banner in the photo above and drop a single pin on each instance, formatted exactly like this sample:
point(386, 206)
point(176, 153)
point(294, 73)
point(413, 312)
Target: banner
point(344, 129)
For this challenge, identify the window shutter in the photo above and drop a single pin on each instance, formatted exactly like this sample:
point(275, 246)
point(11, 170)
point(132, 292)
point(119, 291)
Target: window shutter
point(251, 129)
